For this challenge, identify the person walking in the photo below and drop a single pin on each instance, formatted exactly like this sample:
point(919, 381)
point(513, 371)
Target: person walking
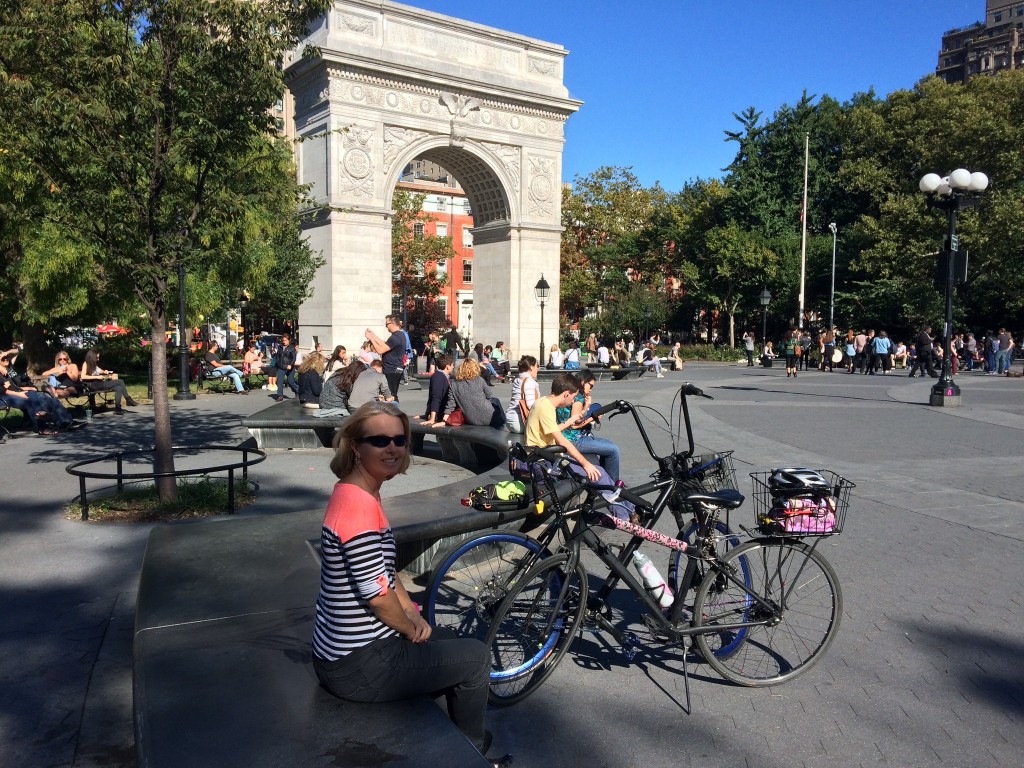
point(790, 345)
point(284, 362)
point(923, 360)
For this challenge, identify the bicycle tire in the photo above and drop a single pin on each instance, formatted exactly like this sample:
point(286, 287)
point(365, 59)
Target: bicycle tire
point(523, 652)
point(677, 565)
point(798, 634)
point(473, 579)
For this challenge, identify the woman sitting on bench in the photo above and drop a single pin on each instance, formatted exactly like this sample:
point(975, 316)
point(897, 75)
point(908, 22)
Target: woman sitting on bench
point(97, 379)
point(63, 377)
point(370, 643)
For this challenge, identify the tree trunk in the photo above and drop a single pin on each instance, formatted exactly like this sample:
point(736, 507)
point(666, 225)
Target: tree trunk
point(163, 455)
point(37, 355)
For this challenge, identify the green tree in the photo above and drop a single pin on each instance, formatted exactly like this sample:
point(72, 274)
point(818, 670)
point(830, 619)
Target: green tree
point(150, 122)
point(415, 255)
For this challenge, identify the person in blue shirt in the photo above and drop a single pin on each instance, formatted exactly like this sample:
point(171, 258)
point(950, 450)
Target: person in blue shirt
point(881, 353)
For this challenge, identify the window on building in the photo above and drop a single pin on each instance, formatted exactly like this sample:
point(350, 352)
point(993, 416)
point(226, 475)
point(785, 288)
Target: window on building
point(467, 271)
point(442, 303)
point(467, 207)
point(279, 106)
point(417, 230)
point(442, 230)
point(467, 237)
point(442, 267)
point(997, 17)
point(1020, 10)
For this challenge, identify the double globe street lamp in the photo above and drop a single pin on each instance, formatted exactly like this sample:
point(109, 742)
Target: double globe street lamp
point(952, 194)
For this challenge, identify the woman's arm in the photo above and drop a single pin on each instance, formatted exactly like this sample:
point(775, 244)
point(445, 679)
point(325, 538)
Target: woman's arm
point(395, 609)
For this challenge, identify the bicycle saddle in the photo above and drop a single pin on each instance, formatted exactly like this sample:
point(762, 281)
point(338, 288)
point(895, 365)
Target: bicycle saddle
point(728, 498)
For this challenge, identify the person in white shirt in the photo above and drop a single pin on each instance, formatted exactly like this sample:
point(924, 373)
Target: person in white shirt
point(556, 359)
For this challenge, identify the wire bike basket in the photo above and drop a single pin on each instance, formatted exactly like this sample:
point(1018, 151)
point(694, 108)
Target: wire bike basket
point(121, 476)
point(815, 511)
point(712, 471)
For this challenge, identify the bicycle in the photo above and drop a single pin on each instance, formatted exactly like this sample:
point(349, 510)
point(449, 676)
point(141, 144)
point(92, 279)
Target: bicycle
point(763, 611)
point(474, 576)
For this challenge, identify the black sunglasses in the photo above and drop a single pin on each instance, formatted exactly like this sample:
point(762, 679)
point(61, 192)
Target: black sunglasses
point(382, 441)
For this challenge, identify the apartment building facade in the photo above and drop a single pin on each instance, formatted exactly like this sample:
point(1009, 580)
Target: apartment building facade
point(987, 47)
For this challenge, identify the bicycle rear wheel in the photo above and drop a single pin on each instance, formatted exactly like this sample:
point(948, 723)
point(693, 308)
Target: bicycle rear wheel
point(534, 628)
point(807, 604)
point(474, 577)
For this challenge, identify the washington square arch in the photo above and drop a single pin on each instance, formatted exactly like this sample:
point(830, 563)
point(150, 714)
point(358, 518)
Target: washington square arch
point(390, 84)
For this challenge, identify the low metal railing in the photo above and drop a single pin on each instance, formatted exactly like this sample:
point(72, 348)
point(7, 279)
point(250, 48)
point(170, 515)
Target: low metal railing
point(121, 476)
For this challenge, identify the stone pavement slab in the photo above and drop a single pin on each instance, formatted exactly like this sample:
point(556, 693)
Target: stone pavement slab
point(925, 670)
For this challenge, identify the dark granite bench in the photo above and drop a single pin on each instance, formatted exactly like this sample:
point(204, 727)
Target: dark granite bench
point(223, 674)
point(601, 374)
point(289, 425)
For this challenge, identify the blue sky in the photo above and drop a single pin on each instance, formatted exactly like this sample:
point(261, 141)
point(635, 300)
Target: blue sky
point(661, 80)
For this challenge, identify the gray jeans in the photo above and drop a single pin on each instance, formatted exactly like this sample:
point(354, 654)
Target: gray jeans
point(394, 668)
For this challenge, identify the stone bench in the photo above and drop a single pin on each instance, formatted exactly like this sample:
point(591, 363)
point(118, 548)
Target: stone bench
point(222, 667)
point(601, 374)
point(289, 425)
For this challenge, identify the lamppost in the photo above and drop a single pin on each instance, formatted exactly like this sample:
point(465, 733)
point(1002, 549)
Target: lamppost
point(183, 392)
point(952, 194)
point(243, 305)
point(832, 294)
point(647, 324)
point(765, 298)
point(542, 290)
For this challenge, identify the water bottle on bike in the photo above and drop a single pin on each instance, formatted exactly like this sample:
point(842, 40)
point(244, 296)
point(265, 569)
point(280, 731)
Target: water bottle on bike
point(653, 580)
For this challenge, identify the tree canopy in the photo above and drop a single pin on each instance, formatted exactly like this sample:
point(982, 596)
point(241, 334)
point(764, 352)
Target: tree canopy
point(143, 140)
point(715, 244)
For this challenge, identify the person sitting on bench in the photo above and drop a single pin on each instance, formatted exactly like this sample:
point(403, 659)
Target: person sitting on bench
point(219, 369)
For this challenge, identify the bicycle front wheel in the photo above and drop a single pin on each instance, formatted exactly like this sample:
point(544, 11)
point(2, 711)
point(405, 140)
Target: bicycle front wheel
point(725, 541)
point(474, 577)
point(782, 639)
point(534, 628)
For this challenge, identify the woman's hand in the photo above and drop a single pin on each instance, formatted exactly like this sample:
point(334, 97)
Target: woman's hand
point(421, 629)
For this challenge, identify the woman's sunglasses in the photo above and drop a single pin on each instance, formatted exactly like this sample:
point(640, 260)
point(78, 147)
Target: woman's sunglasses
point(382, 441)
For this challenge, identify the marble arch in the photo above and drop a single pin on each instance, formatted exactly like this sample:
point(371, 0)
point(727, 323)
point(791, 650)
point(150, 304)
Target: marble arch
point(391, 83)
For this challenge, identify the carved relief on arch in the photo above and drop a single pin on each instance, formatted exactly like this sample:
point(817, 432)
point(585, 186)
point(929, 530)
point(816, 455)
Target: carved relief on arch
point(397, 139)
point(541, 186)
point(508, 156)
point(361, 25)
point(357, 162)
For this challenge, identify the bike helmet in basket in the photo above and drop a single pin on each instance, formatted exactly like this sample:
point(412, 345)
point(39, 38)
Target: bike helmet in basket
point(793, 481)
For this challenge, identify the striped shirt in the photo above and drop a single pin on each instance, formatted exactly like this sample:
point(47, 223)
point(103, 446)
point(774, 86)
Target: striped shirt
point(357, 554)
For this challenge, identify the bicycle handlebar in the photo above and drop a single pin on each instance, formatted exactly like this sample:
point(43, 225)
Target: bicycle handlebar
point(690, 389)
point(615, 408)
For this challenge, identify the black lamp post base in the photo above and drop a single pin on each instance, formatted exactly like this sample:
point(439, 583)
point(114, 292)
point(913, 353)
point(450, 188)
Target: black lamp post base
point(184, 396)
point(945, 393)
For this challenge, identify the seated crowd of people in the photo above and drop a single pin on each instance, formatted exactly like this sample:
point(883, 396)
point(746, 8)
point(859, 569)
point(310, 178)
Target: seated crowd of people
point(40, 400)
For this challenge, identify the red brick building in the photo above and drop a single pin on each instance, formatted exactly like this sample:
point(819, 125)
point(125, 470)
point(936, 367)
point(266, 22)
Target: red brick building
point(447, 213)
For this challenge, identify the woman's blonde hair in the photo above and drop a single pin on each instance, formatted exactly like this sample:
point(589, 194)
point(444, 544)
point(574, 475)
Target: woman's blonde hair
point(468, 371)
point(314, 361)
point(344, 460)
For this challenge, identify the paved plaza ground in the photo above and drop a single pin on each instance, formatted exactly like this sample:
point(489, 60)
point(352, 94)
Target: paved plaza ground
point(926, 670)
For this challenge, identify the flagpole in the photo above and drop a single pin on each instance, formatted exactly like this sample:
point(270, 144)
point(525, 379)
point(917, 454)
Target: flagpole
point(803, 234)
